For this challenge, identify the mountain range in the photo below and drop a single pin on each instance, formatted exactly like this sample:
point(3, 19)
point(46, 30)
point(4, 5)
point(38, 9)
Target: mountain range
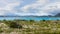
point(57, 15)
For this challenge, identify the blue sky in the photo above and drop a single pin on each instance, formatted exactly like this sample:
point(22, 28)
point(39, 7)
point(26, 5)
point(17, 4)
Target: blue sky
point(29, 7)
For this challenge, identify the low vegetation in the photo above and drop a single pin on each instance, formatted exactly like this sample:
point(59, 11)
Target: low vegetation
point(29, 27)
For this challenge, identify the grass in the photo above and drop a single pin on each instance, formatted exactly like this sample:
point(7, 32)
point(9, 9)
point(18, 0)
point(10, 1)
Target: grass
point(31, 26)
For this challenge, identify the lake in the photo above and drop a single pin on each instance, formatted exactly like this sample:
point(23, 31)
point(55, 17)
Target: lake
point(30, 18)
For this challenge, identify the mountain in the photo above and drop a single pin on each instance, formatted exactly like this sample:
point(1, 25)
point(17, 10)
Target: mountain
point(57, 15)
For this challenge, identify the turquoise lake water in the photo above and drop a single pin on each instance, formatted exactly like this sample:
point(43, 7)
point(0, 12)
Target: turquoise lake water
point(30, 18)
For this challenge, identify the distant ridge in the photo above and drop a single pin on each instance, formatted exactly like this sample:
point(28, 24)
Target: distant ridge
point(57, 15)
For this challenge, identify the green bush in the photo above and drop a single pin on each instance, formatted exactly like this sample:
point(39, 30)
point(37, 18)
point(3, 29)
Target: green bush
point(1, 30)
point(43, 20)
point(15, 25)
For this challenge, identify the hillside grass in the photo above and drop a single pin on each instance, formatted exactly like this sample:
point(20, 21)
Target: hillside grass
point(30, 27)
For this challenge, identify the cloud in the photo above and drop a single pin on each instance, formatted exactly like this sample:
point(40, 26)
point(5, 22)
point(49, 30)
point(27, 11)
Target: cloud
point(43, 7)
point(31, 7)
point(7, 6)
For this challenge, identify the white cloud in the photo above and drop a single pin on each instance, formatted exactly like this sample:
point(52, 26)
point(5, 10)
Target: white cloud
point(7, 6)
point(39, 7)
point(44, 7)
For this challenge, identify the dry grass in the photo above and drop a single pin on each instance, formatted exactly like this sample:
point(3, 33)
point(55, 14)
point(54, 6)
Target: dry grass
point(31, 27)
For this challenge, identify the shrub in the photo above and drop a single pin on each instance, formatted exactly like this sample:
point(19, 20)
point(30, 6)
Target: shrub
point(43, 20)
point(1, 30)
point(15, 25)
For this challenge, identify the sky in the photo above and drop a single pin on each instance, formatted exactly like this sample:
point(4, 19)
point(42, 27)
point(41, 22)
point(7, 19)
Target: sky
point(29, 7)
